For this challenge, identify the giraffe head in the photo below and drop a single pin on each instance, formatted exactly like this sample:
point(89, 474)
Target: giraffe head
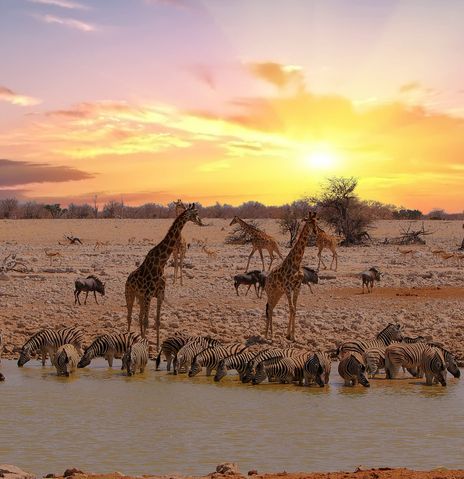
point(234, 221)
point(191, 214)
point(311, 219)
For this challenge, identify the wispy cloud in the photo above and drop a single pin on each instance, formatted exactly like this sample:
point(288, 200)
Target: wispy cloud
point(15, 99)
point(62, 3)
point(16, 173)
point(69, 23)
point(277, 74)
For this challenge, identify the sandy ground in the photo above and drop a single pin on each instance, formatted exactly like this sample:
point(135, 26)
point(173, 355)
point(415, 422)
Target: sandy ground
point(424, 294)
point(384, 473)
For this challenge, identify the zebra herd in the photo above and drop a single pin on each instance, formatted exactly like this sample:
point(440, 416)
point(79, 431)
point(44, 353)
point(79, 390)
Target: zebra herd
point(254, 360)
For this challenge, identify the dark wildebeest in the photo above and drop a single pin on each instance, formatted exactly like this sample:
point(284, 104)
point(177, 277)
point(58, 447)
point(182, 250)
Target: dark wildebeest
point(91, 283)
point(310, 276)
point(250, 278)
point(368, 277)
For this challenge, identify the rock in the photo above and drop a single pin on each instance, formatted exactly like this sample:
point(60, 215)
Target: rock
point(253, 472)
point(71, 472)
point(227, 468)
point(12, 472)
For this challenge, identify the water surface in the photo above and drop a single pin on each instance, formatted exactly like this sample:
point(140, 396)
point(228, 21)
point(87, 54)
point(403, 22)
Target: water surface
point(103, 421)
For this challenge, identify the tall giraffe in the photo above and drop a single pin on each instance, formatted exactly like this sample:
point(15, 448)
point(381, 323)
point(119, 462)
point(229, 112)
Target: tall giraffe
point(325, 241)
point(148, 281)
point(286, 279)
point(180, 249)
point(259, 240)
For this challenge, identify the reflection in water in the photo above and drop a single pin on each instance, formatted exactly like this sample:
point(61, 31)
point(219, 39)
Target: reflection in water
point(100, 420)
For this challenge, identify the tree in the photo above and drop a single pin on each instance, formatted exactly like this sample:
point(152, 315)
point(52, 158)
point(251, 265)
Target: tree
point(54, 210)
point(339, 206)
point(289, 223)
point(113, 209)
point(8, 206)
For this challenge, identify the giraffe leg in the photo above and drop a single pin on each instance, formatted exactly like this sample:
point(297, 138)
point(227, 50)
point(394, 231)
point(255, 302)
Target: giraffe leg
point(269, 310)
point(181, 264)
point(143, 314)
point(175, 267)
point(159, 303)
point(319, 254)
point(130, 298)
point(249, 258)
point(296, 293)
point(288, 293)
point(271, 255)
point(262, 258)
point(334, 258)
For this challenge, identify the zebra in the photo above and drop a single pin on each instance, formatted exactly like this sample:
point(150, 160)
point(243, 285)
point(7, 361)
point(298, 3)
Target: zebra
point(433, 365)
point(91, 283)
point(136, 357)
point(299, 358)
point(450, 360)
point(171, 346)
point(235, 361)
point(210, 357)
point(48, 341)
point(185, 355)
point(406, 355)
point(374, 359)
point(392, 332)
point(66, 359)
point(410, 340)
point(282, 369)
point(353, 370)
point(269, 353)
point(317, 368)
point(108, 346)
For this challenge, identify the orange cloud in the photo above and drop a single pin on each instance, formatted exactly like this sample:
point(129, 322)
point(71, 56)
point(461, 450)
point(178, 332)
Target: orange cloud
point(278, 75)
point(10, 96)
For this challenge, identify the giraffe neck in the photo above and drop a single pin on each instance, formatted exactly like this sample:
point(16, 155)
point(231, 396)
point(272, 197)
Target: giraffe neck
point(249, 228)
point(295, 255)
point(162, 251)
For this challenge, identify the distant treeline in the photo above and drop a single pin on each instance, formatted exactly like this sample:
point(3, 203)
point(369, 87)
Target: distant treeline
point(11, 208)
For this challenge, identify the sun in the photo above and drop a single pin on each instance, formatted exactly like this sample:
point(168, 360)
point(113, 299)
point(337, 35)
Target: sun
point(321, 157)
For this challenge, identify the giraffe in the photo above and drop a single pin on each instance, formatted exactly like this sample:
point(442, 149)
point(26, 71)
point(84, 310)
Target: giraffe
point(180, 249)
point(325, 241)
point(259, 240)
point(286, 279)
point(148, 281)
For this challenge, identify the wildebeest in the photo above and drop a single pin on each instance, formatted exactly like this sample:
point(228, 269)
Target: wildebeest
point(91, 283)
point(310, 276)
point(368, 277)
point(254, 278)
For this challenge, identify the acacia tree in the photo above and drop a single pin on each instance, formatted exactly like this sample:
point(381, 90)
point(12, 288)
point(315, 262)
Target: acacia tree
point(340, 206)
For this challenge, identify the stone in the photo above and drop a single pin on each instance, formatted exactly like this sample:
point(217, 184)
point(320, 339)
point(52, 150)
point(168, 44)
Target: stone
point(227, 468)
point(71, 472)
point(8, 471)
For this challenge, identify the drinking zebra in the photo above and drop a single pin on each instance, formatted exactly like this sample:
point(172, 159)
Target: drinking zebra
point(281, 369)
point(408, 356)
point(392, 332)
point(171, 346)
point(317, 369)
point(235, 361)
point(374, 359)
point(434, 366)
point(108, 346)
point(269, 353)
point(450, 360)
point(184, 357)
point(353, 370)
point(66, 359)
point(210, 357)
point(136, 357)
point(48, 341)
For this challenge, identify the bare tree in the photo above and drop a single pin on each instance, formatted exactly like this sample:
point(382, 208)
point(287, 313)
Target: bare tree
point(8, 206)
point(289, 223)
point(339, 206)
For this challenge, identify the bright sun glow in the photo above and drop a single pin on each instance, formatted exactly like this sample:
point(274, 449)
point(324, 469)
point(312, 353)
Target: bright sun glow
point(321, 158)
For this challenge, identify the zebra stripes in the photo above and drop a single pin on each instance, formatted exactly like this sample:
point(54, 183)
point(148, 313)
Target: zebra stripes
point(236, 361)
point(374, 359)
point(48, 341)
point(433, 365)
point(108, 346)
point(317, 369)
point(210, 357)
point(450, 360)
point(136, 357)
point(392, 332)
point(185, 356)
point(353, 370)
point(66, 359)
point(408, 356)
point(171, 346)
point(281, 369)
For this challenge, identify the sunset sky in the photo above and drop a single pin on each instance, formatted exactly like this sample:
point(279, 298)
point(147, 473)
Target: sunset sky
point(231, 100)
